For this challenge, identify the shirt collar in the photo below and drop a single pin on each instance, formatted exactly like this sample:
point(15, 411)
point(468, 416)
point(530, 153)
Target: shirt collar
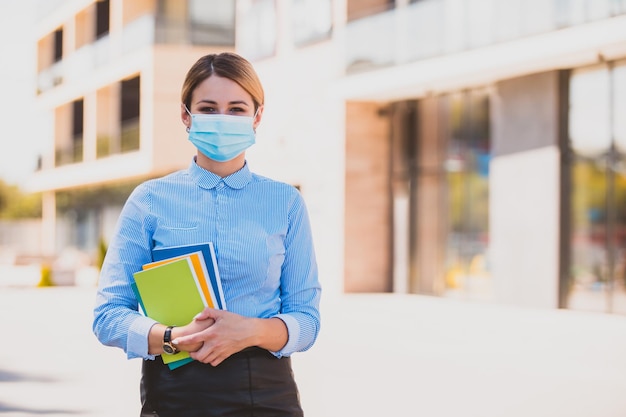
point(207, 179)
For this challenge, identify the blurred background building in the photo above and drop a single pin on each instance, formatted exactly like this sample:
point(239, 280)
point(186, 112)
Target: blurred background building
point(455, 148)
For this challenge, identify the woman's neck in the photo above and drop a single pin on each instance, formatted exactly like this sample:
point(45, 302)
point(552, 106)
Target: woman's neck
point(221, 169)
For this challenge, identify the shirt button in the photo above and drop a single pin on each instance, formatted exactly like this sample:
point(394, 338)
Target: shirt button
point(220, 185)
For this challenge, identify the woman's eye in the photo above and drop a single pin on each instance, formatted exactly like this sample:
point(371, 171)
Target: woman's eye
point(207, 110)
point(236, 110)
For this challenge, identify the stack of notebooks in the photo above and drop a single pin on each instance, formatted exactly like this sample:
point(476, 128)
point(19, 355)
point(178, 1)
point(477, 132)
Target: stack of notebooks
point(179, 284)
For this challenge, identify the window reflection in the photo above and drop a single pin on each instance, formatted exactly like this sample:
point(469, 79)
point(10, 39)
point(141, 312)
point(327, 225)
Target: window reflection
point(258, 40)
point(467, 175)
point(212, 22)
point(199, 22)
point(441, 151)
point(598, 196)
point(312, 20)
point(589, 122)
point(619, 106)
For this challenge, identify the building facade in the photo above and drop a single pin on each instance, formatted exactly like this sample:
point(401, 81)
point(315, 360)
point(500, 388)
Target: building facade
point(496, 129)
point(108, 81)
point(456, 148)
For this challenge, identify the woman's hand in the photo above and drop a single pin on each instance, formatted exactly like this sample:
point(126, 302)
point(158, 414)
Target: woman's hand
point(227, 334)
point(195, 326)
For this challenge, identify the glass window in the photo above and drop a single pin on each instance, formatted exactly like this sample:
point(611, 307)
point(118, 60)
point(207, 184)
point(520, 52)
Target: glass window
point(619, 106)
point(77, 129)
point(599, 9)
point(212, 22)
point(312, 20)
point(569, 12)
point(597, 273)
point(77, 120)
point(589, 111)
point(102, 18)
point(58, 45)
point(69, 133)
point(480, 30)
point(129, 114)
point(257, 29)
point(445, 143)
point(619, 6)
point(467, 183)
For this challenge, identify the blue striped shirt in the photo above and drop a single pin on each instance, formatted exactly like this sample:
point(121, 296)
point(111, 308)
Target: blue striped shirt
point(263, 243)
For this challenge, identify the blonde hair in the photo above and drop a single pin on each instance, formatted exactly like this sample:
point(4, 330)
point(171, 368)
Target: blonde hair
point(227, 65)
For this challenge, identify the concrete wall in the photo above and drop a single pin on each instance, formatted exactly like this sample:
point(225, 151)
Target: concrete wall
point(524, 188)
point(368, 216)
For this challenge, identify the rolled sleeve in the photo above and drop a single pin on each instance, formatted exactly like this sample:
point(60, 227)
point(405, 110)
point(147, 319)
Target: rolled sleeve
point(137, 343)
point(293, 330)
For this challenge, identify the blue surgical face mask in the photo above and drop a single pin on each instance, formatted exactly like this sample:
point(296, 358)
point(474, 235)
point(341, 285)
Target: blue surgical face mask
point(221, 137)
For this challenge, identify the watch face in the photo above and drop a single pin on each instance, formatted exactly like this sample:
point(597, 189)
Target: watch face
point(168, 349)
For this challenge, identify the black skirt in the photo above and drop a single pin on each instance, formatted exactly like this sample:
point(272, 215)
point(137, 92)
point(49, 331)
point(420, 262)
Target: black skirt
point(251, 383)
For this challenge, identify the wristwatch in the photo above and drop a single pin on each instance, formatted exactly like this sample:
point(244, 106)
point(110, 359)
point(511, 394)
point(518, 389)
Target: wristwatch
point(168, 346)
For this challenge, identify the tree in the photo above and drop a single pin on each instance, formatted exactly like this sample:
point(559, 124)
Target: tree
point(15, 204)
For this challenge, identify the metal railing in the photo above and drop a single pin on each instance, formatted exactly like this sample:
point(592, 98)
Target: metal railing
point(431, 28)
point(127, 141)
point(69, 154)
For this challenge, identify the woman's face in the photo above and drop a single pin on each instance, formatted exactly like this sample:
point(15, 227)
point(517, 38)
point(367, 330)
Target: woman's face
point(219, 95)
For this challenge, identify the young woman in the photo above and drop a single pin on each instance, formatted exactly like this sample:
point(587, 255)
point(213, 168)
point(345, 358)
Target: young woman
point(261, 233)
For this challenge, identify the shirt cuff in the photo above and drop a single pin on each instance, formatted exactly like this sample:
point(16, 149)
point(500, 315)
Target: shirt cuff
point(137, 346)
point(293, 335)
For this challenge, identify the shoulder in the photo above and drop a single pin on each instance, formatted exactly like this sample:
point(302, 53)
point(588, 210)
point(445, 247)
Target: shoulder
point(278, 194)
point(278, 188)
point(263, 181)
point(173, 179)
point(167, 184)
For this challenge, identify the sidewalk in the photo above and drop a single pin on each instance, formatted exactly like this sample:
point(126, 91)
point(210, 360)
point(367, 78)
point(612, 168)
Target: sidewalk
point(51, 364)
point(378, 355)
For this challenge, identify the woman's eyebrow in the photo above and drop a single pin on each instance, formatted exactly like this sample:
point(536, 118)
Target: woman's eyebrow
point(234, 102)
point(207, 102)
point(245, 103)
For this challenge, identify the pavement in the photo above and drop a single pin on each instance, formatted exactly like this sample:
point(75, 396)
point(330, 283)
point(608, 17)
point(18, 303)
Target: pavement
point(377, 355)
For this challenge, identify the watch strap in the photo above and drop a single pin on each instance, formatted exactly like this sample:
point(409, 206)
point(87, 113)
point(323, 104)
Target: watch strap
point(168, 347)
point(167, 336)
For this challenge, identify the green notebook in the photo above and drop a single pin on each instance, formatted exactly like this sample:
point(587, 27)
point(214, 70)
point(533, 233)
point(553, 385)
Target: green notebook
point(170, 294)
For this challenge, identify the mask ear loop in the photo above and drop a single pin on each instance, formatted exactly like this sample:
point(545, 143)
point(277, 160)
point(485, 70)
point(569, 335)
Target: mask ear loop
point(254, 118)
point(189, 113)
